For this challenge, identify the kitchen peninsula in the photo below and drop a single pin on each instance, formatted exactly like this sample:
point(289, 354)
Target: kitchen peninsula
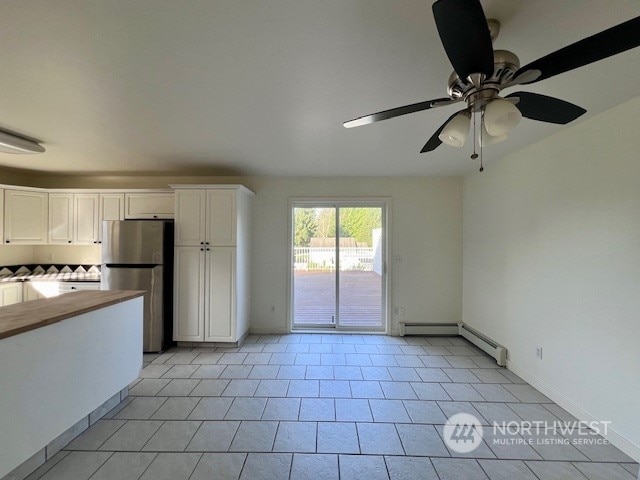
point(64, 363)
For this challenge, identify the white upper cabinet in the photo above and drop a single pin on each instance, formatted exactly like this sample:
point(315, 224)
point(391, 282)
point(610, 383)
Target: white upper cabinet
point(221, 216)
point(60, 218)
point(86, 208)
point(190, 209)
point(26, 217)
point(149, 205)
point(111, 208)
point(206, 217)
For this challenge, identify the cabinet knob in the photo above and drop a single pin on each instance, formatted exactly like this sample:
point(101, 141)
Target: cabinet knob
point(201, 243)
point(8, 241)
point(208, 249)
point(202, 249)
point(206, 243)
point(68, 241)
point(155, 216)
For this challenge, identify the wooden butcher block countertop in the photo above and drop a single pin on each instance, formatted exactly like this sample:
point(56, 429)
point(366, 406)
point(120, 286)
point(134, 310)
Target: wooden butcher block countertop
point(22, 317)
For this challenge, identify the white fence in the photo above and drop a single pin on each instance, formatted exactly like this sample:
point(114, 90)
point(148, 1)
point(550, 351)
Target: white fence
point(324, 258)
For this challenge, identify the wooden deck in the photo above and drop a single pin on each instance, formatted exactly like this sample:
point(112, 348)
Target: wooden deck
point(360, 299)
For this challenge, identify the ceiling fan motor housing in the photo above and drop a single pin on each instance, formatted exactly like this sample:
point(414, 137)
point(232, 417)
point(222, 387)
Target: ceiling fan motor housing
point(505, 65)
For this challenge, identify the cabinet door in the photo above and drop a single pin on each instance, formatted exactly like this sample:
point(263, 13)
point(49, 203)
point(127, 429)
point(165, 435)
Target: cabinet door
point(11, 293)
point(149, 205)
point(25, 217)
point(111, 208)
point(60, 218)
point(190, 217)
point(220, 288)
point(86, 207)
point(221, 217)
point(188, 299)
point(1, 213)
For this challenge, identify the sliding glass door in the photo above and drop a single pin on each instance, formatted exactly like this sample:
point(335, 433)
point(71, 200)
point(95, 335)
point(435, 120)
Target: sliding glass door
point(338, 259)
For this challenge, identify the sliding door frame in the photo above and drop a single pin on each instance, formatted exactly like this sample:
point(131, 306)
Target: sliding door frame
point(384, 203)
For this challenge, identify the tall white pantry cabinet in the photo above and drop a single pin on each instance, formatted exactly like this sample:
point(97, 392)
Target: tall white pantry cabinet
point(211, 263)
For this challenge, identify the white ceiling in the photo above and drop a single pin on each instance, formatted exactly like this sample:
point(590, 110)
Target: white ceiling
point(261, 87)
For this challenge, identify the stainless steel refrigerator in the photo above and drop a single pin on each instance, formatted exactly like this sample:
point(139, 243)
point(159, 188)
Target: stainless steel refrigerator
point(138, 255)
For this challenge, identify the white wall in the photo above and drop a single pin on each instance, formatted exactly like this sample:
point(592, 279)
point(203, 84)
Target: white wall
point(16, 254)
point(67, 254)
point(551, 258)
point(426, 231)
point(426, 225)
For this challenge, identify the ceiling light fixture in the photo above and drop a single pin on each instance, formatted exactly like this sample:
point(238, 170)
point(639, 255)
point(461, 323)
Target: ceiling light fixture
point(500, 117)
point(486, 139)
point(12, 143)
point(456, 130)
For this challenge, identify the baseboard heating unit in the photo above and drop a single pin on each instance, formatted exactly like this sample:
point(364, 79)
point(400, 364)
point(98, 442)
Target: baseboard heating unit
point(478, 339)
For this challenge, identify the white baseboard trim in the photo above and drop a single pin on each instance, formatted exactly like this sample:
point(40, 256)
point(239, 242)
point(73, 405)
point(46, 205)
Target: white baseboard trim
point(617, 440)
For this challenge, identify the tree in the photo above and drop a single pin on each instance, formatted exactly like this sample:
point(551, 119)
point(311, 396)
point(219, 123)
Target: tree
point(305, 226)
point(326, 221)
point(358, 223)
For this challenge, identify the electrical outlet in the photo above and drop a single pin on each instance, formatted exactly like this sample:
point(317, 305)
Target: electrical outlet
point(272, 309)
point(398, 311)
point(539, 352)
point(397, 259)
point(402, 311)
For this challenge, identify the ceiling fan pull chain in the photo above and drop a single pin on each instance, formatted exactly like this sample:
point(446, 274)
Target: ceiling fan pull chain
point(481, 142)
point(474, 155)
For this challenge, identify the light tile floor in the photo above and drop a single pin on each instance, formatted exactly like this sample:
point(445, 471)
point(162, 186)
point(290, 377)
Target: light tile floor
point(308, 406)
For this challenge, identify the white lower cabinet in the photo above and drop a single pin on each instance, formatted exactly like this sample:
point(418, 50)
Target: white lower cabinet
point(205, 294)
point(220, 298)
point(189, 292)
point(30, 291)
point(10, 293)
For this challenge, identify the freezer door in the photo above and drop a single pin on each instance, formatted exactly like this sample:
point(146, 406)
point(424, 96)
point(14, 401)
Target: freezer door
point(149, 279)
point(132, 241)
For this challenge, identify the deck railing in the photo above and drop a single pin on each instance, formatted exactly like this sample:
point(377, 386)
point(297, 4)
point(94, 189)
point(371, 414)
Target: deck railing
point(324, 258)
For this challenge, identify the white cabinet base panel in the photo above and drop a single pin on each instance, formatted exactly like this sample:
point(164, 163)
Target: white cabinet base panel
point(70, 368)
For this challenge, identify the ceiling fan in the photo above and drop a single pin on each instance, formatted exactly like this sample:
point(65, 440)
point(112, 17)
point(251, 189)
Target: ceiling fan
point(480, 74)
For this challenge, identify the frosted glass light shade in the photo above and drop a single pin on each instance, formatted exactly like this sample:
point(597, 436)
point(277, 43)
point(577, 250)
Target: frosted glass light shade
point(500, 116)
point(456, 131)
point(487, 139)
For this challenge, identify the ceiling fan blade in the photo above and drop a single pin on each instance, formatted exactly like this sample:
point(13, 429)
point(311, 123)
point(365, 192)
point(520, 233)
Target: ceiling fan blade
point(434, 142)
point(546, 109)
point(607, 43)
point(396, 112)
point(465, 36)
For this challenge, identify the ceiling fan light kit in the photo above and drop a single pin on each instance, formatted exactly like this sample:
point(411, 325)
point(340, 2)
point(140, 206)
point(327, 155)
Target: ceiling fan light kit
point(500, 117)
point(481, 73)
point(456, 130)
point(486, 139)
